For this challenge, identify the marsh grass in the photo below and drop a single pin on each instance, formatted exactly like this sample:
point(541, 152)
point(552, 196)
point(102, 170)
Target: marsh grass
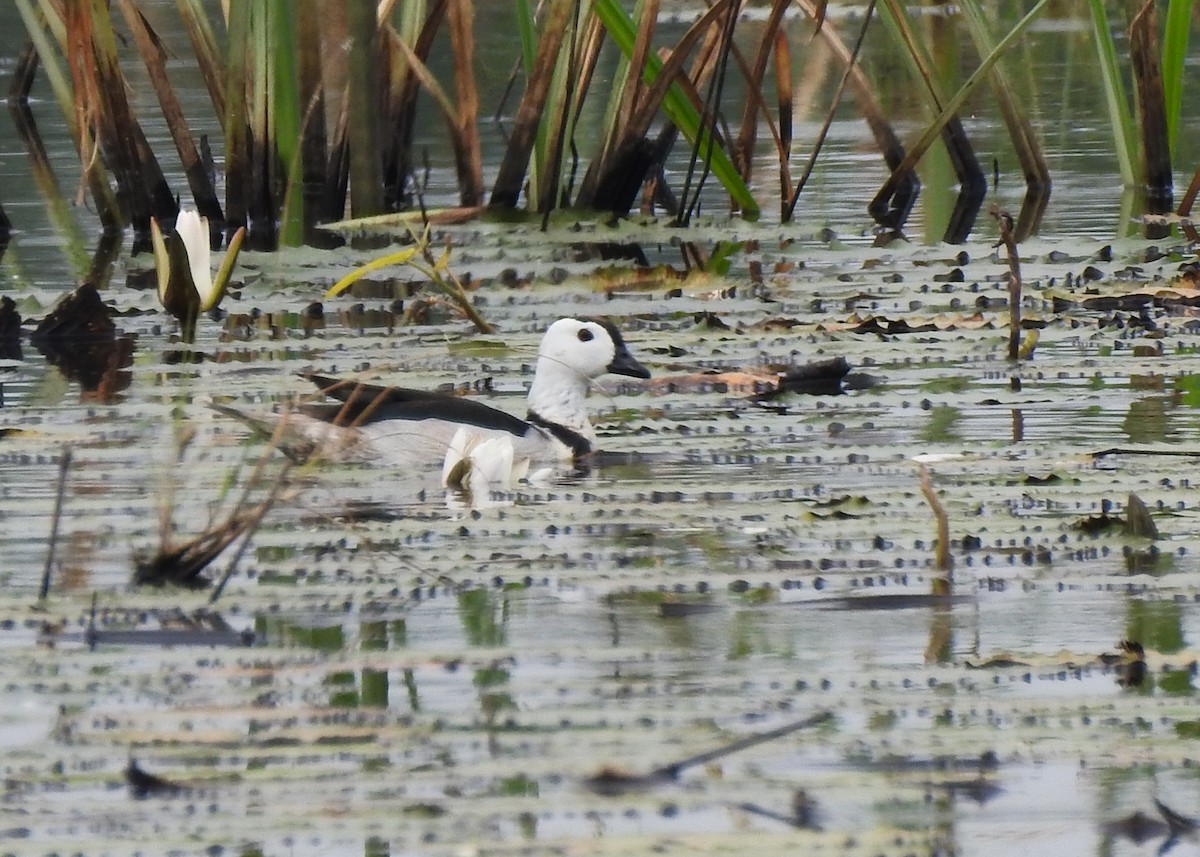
point(436, 269)
point(318, 103)
point(236, 513)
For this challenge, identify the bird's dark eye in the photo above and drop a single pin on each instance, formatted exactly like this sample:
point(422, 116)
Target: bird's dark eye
point(585, 335)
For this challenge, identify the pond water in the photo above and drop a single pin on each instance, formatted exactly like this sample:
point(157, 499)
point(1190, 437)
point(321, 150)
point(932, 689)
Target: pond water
point(393, 669)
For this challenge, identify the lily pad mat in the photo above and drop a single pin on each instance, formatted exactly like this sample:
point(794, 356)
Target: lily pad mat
point(427, 677)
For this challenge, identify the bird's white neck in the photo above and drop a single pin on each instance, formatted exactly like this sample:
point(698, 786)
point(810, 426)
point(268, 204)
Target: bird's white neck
point(559, 395)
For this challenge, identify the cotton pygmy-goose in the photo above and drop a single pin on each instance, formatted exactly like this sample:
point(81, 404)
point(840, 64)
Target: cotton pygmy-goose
point(399, 423)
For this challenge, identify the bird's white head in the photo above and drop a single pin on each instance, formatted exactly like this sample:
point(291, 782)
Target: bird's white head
point(573, 352)
point(588, 348)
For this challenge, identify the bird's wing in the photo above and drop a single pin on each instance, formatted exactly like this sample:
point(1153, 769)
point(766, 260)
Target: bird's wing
point(369, 403)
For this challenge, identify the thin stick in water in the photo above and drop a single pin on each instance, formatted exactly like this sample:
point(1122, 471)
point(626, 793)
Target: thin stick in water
point(1004, 219)
point(942, 560)
point(64, 464)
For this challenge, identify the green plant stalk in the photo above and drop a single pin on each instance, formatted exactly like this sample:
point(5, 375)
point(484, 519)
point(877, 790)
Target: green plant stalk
point(60, 211)
point(514, 165)
point(900, 26)
point(237, 129)
point(956, 102)
point(468, 157)
point(208, 58)
point(1127, 225)
point(1174, 55)
point(401, 257)
point(678, 108)
point(1029, 153)
point(1145, 60)
point(366, 166)
point(527, 27)
point(221, 278)
point(1120, 114)
point(962, 157)
point(57, 207)
point(60, 85)
point(774, 41)
point(140, 182)
point(286, 120)
point(412, 17)
point(547, 167)
point(613, 107)
point(437, 271)
point(155, 58)
point(262, 140)
point(458, 124)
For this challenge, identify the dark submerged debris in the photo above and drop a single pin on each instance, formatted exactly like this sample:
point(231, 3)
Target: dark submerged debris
point(1094, 525)
point(79, 337)
point(1132, 667)
point(803, 816)
point(182, 565)
point(710, 321)
point(1138, 523)
point(117, 627)
point(610, 781)
point(10, 329)
point(79, 315)
point(816, 378)
point(675, 609)
point(897, 601)
point(1137, 827)
point(143, 785)
point(979, 789)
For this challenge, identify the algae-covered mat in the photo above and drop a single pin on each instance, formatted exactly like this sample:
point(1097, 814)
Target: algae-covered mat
point(729, 634)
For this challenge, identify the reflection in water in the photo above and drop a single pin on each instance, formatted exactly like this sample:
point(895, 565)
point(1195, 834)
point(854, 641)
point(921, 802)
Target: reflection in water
point(1018, 425)
point(374, 688)
point(1033, 208)
point(494, 698)
point(483, 617)
point(940, 649)
point(941, 425)
point(278, 631)
point(1157, 625)
point(1146, 421)
point(108, 248)
point(79, 338)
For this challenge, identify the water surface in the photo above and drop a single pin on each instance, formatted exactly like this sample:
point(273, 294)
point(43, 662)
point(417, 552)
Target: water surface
point(430, 677)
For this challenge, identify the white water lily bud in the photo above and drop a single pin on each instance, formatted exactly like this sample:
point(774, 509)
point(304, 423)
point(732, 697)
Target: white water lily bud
point(183, 259)
point(192, 229)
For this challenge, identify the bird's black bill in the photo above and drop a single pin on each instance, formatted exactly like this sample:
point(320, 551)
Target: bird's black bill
point(625, 363)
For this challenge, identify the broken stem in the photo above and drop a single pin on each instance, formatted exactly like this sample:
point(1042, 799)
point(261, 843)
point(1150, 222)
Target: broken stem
point(941, 555)
point(673, 770)
point(248, 533)
point(258, 513)
point(64, 464)
point(1004, 219)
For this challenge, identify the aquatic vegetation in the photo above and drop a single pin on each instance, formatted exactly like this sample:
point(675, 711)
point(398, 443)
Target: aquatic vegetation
point(745, 608)
point(187, 286)
point(419, 257)
point(735, 630)
point(318, 109)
